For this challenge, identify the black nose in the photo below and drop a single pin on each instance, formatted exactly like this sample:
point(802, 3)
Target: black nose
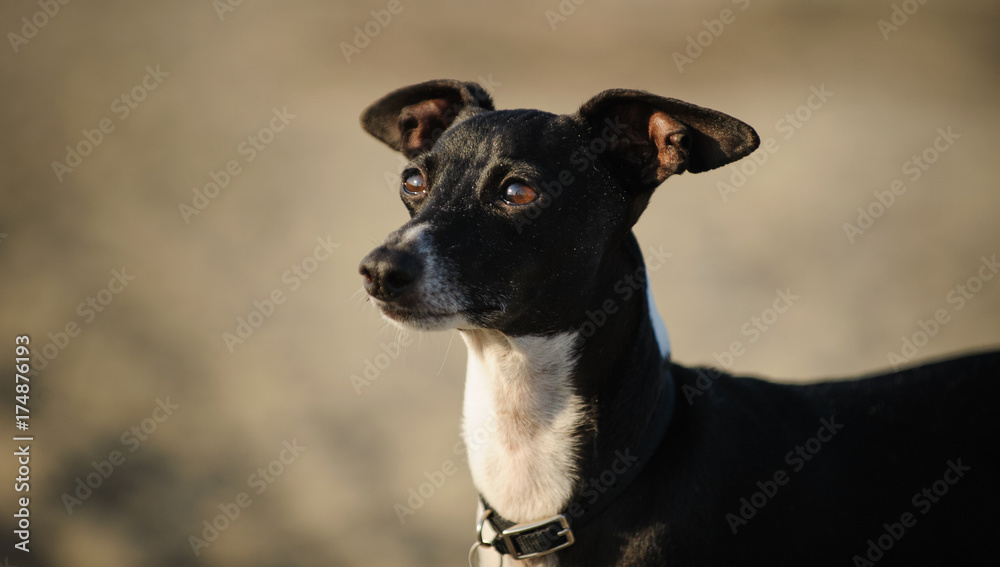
point(390, 273)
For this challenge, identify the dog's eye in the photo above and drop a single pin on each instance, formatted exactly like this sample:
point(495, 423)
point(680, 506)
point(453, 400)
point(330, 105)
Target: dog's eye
point(519, 194)
point(414, 184)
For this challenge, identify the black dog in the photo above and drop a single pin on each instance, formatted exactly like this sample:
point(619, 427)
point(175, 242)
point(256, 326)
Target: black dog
point(589, 447)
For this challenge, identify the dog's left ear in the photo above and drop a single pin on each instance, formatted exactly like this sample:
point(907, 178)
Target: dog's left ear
point(652, 137)
point(411, 119)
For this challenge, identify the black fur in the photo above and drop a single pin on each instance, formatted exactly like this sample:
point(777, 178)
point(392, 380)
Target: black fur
point(548, 267)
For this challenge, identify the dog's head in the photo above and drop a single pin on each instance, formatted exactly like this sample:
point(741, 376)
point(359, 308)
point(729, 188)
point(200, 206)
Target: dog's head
point(513, 213)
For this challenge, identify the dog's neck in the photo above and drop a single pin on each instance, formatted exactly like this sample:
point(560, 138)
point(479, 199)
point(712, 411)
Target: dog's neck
point(544, 413)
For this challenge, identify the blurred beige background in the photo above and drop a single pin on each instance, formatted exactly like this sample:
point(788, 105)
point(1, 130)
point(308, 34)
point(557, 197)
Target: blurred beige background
point(335, 463)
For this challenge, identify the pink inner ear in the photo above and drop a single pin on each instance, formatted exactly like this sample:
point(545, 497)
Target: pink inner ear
point(671, 147)
point(423, 123)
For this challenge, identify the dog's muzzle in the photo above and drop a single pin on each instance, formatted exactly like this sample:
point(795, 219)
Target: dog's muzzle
point(391, 274)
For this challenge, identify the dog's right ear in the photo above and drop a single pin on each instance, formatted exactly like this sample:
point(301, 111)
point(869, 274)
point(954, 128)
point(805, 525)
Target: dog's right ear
point(653, 137)
point(411, 119)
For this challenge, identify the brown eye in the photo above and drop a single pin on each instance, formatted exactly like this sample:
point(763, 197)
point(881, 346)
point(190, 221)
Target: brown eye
point(414, 184)
point(519, 194)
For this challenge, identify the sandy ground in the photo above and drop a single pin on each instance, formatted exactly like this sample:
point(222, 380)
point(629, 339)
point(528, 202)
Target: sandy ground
point(173, 426)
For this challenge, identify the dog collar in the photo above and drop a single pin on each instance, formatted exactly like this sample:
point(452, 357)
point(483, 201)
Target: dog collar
point(541, 537)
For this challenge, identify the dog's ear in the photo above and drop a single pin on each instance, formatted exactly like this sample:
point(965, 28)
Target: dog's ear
point(411, 119)
point(651, 137)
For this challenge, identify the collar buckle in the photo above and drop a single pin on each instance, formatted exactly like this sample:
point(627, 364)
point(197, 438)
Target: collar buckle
point(534, 539)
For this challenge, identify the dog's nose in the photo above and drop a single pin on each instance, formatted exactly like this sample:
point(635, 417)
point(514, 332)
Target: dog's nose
point(389, 273)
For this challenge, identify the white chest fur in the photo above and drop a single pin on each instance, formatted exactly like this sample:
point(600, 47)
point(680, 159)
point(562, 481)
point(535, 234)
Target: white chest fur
point(520, 420)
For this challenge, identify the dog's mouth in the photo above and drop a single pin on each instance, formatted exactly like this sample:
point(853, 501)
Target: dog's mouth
point(424, 318)
point(418, 317)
